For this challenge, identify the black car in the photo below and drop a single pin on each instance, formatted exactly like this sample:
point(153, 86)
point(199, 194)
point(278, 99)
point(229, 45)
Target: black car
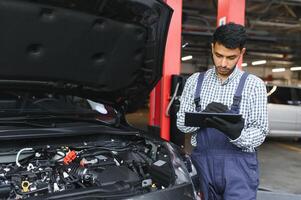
point(58, 56)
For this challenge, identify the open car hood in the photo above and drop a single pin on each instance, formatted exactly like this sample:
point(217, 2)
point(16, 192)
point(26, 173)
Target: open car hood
point(106, 50)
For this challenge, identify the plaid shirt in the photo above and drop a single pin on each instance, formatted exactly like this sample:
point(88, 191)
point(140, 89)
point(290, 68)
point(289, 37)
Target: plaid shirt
point(253, 105)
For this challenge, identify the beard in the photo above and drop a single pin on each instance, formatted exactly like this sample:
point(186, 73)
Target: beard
point(223, 70)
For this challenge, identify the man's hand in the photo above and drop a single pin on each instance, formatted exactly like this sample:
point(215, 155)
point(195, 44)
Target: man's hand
point(215, 107)
point(231, 129)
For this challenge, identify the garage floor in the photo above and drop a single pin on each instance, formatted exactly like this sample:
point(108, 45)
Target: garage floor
point(280, 165)
point(280, 160)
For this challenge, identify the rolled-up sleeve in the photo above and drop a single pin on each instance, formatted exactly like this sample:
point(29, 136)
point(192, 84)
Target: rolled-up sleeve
point(187, 104)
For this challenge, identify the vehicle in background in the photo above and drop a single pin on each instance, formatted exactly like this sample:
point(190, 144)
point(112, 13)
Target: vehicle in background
point(284, 110)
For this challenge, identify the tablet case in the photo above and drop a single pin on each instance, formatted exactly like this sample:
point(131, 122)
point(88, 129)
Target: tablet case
point(198, 119)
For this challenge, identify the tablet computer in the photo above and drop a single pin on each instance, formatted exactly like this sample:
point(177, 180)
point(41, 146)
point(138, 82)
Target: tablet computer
point(198, 119)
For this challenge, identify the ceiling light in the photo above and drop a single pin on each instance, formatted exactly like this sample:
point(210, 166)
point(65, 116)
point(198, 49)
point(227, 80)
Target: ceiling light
point(259, 62)
point(184, 45)
point(278, 70)
point(187, 58)
point(295, 68)
point(274, 55)
point(281, 62)
point(244, 64)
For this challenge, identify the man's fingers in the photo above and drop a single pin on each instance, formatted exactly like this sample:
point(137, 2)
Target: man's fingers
point(210, 122)
point(214, 110)
point(216, 107)
point(220, 121)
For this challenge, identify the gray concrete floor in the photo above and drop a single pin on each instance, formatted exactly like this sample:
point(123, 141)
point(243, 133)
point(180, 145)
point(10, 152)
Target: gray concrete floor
point(280, 166)
point(280, 160)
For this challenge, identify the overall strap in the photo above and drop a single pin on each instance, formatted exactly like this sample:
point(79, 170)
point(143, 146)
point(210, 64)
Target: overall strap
point(237, 96)
point(198, 91)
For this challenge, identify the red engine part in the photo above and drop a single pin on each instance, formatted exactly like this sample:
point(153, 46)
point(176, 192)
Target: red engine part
point(71, 155)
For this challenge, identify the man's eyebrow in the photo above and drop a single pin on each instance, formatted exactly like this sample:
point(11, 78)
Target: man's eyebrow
point(218, 53)
point(232, 56)
point(225, 56)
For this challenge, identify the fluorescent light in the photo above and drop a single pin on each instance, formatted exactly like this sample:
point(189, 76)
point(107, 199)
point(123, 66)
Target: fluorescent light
point(295, 68)
point(281, 62)
point(187, 58)
point(259, 62)
point(274, 55)
point(278, 70)
point(244, 64)
point(184, 45)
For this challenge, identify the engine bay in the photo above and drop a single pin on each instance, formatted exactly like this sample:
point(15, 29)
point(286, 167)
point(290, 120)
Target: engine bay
point(113, 166)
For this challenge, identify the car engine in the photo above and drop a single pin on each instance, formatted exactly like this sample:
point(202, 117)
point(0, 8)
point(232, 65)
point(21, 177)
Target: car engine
point(45, 170)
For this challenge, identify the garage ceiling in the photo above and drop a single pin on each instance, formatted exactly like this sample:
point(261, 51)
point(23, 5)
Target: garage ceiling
point(273, 26)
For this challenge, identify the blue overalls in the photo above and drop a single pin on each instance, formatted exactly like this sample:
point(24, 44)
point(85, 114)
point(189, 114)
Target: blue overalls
point(225, 171)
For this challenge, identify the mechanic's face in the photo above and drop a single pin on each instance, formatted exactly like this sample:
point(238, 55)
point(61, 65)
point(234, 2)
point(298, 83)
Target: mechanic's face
point(225, 59)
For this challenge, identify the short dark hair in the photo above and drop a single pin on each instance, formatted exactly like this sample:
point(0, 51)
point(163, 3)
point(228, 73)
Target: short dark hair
point(230, 35)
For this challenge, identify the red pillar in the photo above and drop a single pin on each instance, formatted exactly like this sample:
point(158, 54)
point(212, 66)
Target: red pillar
point(160, 96)
point(231, 11)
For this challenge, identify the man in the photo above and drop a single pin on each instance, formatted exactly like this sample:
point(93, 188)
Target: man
point(225, 151)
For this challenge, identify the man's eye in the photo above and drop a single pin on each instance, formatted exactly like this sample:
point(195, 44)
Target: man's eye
point(219, 56)
point(232, 58)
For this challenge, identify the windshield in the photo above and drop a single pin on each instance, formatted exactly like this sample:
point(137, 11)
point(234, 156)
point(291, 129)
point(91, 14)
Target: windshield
point(45, 104)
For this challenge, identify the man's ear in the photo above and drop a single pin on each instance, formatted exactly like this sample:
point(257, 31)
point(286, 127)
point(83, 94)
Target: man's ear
point(243, 51)
point(212, 48)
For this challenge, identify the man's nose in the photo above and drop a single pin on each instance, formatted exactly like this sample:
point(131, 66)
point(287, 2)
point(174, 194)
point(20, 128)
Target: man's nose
point(224, 62)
